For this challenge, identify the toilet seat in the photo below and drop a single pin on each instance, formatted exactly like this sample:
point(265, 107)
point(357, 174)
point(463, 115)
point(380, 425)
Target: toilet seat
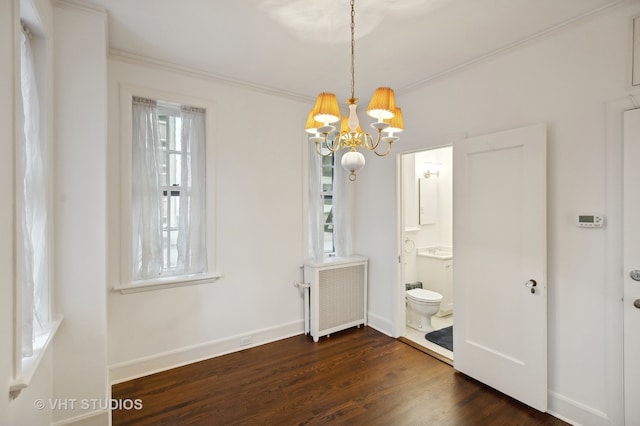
point(424, 295)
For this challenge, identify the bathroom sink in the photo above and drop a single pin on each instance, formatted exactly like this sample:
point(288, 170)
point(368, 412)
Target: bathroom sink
point(441, 253)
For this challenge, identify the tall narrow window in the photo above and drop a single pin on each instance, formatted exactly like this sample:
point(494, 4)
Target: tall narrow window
point(168, 190)
point(326, 193)
point(35, 325)
point(33, 197)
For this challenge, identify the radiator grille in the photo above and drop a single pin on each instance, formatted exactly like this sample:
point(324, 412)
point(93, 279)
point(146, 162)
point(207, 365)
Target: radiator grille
point(341, 298)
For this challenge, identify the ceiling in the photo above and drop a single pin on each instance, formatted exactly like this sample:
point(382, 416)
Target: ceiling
point(301, 47)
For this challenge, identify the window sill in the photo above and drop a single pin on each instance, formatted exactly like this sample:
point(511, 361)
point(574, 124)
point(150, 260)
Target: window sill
point(30, 364)
point(168, 282)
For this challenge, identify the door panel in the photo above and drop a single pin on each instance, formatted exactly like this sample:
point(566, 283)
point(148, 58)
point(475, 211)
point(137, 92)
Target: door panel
point(631, 212)
point(500, 328)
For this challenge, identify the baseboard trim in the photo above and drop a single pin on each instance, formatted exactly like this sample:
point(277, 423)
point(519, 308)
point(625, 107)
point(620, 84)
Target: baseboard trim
point(80, 419)
point(156, 363)
point(383, 325)
point(574, 412)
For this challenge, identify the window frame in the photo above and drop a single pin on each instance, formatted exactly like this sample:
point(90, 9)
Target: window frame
point(127, 284)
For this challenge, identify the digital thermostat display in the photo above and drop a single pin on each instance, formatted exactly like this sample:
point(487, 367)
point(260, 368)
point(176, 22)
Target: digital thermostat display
point(590, 220)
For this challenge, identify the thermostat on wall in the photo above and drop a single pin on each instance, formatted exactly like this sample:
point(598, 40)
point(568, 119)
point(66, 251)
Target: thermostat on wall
point(590, 220)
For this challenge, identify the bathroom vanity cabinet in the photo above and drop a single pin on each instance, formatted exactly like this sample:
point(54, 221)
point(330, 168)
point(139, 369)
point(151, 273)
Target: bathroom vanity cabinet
point(435, 272)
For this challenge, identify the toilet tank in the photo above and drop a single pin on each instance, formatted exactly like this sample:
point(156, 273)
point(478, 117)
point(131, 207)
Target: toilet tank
point(434, 269)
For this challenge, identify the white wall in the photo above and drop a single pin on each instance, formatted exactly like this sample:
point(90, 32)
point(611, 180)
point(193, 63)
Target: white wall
point(567, 79)
point(260, 231)
point(80, 210)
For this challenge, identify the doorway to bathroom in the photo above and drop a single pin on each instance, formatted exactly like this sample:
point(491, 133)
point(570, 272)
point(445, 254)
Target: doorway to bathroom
point(426, 225)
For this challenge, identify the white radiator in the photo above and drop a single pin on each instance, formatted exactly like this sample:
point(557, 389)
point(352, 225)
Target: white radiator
point(337, 294)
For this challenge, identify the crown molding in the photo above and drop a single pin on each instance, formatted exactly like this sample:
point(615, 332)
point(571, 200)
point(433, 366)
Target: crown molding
point(81, 6)
point(132, 58)
point(510, 47)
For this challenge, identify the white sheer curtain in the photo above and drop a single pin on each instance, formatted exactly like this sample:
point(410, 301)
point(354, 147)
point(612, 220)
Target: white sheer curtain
point(33, 178)
point(146, 200)
point(316, 213)
point(191, 245)
point(342, 207)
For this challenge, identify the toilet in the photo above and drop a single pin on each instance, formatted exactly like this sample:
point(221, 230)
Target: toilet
point(422, 304)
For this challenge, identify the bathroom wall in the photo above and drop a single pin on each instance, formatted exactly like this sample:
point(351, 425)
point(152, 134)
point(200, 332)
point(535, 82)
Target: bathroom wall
point(440, 233)
point(418, 235)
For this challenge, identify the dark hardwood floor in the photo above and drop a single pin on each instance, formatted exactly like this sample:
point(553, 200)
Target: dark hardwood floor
point(355, 377)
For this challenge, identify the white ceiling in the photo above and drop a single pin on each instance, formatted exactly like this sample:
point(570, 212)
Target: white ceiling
point(302, 46)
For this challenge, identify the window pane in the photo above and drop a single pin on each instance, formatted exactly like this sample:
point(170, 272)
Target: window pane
point(165, 212)
point(327, 201)
point(162, 128)
point(327, 174)
point(165, 244)
point(175, 169)
point(178, 134)
point(173, 250)
point(175, 208)
point(328, 238)
point(171, 133)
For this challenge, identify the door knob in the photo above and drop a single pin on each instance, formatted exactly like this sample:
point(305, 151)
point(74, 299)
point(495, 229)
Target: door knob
point(636, 303)
point(635, 275)
point(531, 284)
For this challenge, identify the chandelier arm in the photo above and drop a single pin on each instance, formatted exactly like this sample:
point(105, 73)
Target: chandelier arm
point(384, 153)
point(374, 146)
point(319, 150)
point(334, 145)
point(371, 145)
point(365, 140)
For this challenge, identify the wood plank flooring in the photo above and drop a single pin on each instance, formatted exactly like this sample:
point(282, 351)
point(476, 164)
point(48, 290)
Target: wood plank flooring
point(355, 377)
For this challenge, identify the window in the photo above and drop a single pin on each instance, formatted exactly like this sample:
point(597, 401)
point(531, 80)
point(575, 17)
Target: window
point(167, 195)
point(330, 198)
point(170, 129)
point(326, 193)
point(35, 326)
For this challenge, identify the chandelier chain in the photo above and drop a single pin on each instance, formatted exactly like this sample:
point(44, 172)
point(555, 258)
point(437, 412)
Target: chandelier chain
point(353, 48)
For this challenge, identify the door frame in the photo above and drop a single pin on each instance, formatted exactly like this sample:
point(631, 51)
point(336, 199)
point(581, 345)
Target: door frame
point(614, 306)
point(398, 325)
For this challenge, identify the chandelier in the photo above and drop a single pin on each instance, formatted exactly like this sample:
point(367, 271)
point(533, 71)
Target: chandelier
point(351, 136)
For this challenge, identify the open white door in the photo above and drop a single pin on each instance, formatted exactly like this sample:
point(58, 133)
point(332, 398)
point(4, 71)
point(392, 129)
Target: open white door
point(499, 243)
point(631, 268)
